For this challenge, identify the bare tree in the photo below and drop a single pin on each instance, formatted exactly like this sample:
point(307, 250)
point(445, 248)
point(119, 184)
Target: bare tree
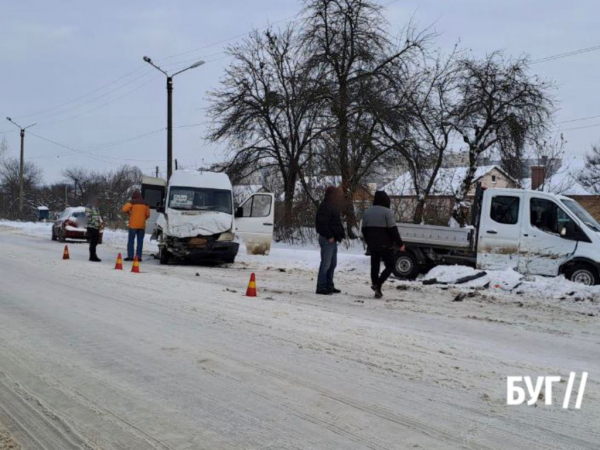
point(495, 95)
point(113, 188)
point(9, 186)
point(511, 146)
point(589, 177)
point(349, 40)
point(268, 108)
point(418, 126)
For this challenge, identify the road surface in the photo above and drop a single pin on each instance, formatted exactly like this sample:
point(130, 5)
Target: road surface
point(177, 358)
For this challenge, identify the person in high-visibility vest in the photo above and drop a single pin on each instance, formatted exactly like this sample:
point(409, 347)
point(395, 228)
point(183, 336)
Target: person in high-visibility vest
point(139, 212)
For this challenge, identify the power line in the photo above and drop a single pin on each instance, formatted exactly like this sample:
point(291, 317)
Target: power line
point(581, 128)
point(110, 144)
point(580, 119)
point(84, 95)
point(101, 96)
point(93, 155)
point(102, 105)
point(566, 54)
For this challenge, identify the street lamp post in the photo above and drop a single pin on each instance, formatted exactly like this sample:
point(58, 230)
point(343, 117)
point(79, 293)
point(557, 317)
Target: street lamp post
point(22, 164)
point(170, 109)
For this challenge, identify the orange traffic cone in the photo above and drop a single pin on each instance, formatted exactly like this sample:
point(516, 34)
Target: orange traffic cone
point(119, 265)
point(136, 265)
point(251, 291)
point(66, 253)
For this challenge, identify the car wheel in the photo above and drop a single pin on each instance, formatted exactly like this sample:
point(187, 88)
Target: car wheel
point(406, 266)
point(165, 256)
point(229, 260)
point(54, 238)
point(61, 236)
point(583, 274)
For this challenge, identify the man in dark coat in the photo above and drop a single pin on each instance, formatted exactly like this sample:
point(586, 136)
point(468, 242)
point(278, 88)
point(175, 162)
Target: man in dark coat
point(382, 237)
point(331, 231)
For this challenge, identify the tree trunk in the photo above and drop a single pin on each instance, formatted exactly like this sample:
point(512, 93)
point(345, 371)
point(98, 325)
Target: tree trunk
point(419, 211)
point(460, 213)
point(343, 141)
point(288, 201)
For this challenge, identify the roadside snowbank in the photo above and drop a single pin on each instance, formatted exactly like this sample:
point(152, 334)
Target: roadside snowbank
point(508, 284)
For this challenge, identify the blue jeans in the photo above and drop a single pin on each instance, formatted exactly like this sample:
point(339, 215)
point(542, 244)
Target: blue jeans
point(328, 263)
point(140, 242)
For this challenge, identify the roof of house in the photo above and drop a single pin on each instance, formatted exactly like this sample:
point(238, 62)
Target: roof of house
point(447, 182)
point(564, 181)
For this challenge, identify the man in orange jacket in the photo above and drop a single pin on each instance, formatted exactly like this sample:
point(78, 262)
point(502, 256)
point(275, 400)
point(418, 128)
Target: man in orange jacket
point(139, 212)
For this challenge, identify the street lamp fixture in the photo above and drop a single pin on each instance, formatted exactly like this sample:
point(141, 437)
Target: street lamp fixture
point(170, 108)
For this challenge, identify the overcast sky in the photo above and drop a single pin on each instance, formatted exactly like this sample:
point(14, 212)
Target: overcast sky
point(76, 67)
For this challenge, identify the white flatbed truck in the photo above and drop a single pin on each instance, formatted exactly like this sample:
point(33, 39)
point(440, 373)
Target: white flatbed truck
point(532, 232)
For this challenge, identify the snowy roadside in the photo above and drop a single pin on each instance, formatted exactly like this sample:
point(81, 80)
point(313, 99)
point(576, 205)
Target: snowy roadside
point(502, 285)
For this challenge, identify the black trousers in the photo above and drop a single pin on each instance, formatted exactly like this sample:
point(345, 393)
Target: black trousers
point(377, 256)
point(94, 237)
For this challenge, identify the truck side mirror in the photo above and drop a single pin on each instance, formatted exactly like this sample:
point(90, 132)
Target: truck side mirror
point(239, 212)
point(563, 231)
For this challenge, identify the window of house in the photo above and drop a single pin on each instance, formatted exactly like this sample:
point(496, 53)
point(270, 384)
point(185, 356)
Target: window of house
point(505, 209)
point(493, 178)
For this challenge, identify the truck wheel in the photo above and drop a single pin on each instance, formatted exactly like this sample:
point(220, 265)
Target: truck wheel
point(583, 273)
point(164, 256)
point(229, 260)
point(406, 266)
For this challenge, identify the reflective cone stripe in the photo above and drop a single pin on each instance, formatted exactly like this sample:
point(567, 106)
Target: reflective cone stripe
point(251, 291)
point(136, 265)
point(119, 265)
point(66, 253)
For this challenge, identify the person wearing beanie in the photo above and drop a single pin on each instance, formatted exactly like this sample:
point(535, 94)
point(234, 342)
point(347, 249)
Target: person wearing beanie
point(331, 231)
point(381, 234)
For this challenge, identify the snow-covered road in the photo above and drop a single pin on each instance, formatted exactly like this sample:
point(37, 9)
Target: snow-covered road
point(177, 358)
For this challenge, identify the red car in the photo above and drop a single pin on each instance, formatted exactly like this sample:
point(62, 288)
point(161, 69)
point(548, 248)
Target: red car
point(71, 224)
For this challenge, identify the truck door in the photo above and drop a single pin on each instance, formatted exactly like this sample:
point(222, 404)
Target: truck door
point(254, 223)
point(153, 191)
point(543, 249)
point(500, 231)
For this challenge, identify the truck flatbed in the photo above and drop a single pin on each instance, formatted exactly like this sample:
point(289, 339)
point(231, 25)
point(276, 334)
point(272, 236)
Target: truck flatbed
point(436, 235)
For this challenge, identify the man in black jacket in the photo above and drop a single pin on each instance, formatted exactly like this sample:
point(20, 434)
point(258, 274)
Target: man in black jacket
point(331, 231)
point(382, 237)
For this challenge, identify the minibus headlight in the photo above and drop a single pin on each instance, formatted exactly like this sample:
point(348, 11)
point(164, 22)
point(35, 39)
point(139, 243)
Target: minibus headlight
point(227, 236)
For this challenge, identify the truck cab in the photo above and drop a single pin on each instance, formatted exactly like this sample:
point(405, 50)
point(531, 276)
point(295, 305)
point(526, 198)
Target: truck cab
point(538, 233)
point(197, 219)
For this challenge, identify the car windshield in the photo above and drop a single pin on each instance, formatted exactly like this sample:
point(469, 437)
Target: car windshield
point(200, 199)
point(582, 214)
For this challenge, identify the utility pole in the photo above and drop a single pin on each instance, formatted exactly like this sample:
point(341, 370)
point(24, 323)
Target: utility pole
point(22, 164)
point(156, 171)
point(170, 109)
